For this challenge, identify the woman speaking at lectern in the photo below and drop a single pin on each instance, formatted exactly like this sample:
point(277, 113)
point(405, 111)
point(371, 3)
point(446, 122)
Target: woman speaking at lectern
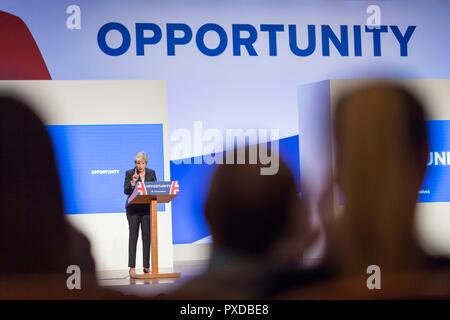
point(138, 214)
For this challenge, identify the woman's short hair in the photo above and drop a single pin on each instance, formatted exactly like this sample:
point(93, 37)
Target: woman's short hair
point(141, 156)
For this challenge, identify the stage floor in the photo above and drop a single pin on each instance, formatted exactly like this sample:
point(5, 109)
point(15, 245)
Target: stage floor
point(119, 280)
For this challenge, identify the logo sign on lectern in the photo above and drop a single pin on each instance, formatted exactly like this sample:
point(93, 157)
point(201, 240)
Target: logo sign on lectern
point(154, 187)
point(164, 187)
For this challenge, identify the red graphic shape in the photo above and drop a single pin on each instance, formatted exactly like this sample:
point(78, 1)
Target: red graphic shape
point(20, 58)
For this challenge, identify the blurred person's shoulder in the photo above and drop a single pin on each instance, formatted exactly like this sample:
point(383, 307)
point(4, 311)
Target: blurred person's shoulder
point(80, 251)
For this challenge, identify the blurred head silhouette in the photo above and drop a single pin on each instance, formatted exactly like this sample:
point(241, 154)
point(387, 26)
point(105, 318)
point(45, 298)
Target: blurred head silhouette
point(258, 228)
point(382, 150)
point(248, 212)
point(33, 232)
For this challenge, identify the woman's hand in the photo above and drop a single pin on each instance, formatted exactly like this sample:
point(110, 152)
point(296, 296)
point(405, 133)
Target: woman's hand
point(135, 177)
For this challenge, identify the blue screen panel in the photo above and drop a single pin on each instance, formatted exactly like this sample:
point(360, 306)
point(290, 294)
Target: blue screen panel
point(92, 160)
point(436, 186)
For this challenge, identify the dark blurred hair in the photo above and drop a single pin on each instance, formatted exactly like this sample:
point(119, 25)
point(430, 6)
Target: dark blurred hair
point(33, 232)
point(246, 211)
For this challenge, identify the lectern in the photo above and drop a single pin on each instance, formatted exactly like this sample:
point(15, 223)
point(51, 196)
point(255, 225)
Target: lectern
point(153, 193)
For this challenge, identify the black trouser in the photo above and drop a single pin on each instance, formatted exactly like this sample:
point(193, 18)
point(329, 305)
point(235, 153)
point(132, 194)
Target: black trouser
point(134, 220)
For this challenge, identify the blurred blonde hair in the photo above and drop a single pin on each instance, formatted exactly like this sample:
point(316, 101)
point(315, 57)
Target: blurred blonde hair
point(382, 153)
point(141, 156)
